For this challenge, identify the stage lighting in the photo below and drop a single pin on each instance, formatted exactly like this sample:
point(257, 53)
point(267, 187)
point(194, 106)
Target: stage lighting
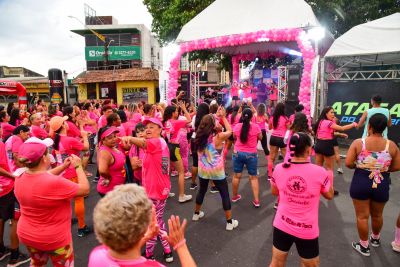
point(316, 33)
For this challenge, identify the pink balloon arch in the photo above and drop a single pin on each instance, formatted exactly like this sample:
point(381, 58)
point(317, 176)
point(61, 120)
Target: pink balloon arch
point(282, 35)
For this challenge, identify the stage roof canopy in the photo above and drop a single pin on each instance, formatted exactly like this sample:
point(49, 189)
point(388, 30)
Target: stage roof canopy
point(373, 43)
point(227, 17)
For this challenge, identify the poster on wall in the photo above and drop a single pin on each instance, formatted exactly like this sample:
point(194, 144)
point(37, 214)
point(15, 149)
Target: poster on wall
point(135, 94)
point(351, 99)
point(104, 92)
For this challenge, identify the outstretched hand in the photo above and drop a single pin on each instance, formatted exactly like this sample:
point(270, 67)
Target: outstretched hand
point(153, 229)
point(176, 230)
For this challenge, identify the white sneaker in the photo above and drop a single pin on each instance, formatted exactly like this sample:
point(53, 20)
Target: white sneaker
point(340, 170)
point(231, 226)
point(197, 217)
point(395, 246)
point(170, 194)
point(185, 198)
point(188, 175)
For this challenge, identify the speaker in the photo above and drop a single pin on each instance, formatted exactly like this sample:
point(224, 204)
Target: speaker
point(294, 77)
point(221, 98)
point(185, 85)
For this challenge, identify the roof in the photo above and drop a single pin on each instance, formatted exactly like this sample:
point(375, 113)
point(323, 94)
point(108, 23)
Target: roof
point(133, 74)
point(30, 79)
point(111, 28)
point(377, 40)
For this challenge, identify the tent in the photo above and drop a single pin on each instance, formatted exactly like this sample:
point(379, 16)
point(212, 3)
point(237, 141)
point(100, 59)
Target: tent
point(373, 43)
point(251, 27)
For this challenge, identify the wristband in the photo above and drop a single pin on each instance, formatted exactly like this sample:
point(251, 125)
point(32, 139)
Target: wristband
point(181, 243)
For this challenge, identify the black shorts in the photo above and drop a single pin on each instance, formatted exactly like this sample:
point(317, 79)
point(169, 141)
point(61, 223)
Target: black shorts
point(235, 97)
point(174, 152)
point(195, 157)
point(307, 248)
point(324, 147)
point(277, 141)
point(264, 142)
point(361, 187)
point(335, 142)
point(7, 206)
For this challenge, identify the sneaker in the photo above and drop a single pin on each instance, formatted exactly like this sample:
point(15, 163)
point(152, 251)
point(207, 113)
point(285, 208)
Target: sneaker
point(231, 226)
point(151, 257)
point(236, 198)
point(256, 203)
point(193, 186)
point(214, 189)
point(170, 194)
point(395, 246)
point(84, 231)
point(168, 257)
point(21, 259)
point(185, 198)
point(374, 242)
point(188, 175)
point(174, 173)
point(275, 205)
point(340, 170)
point(335, 193)
point(360, 249)
point(197, 217)
point(5, 253)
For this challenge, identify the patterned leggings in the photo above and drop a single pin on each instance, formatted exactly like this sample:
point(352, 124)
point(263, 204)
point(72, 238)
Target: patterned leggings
point(62, 257)
point(184, 147)
point(151, 244)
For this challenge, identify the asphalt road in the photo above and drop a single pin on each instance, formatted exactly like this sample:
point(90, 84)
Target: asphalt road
point(251, 243)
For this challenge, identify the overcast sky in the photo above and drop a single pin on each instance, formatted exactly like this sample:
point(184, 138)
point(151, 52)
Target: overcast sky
point(35, 34)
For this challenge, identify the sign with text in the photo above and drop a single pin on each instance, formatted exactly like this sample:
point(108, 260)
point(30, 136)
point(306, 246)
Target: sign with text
point(135, 94)
point(351, 99)
point(96, 53)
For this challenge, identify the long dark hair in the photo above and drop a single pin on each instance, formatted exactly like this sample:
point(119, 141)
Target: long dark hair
point(298, 144)
point(169, 110)
point(122, 115)
point(300, 123)
point(67, 111)
point(14, 116)
point(205, 129)
point(278, 112)
point(247, 114)
point(234, 113)
point(202, 110)
point(57, 138)
point(321, 117)
point(111, 118)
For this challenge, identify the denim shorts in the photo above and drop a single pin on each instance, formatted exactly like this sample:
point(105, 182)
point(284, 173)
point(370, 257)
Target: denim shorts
point(244, 158)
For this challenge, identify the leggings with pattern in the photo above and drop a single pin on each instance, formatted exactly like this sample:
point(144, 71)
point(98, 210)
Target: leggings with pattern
point(61, 257)
point(184, 147)
point(151, 244)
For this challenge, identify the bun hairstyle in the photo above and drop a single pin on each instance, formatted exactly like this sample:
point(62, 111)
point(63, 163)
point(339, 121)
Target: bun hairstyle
point(298, 144)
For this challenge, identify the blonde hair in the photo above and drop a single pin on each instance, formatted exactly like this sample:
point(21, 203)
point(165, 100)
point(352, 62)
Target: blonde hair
point(121, 218)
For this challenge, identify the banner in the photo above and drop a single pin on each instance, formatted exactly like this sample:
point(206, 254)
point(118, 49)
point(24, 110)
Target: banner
point(351, 99)
point(135, 94)
point(96, 53)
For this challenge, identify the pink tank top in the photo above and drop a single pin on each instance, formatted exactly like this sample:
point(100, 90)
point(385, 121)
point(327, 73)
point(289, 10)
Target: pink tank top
point(117, 171)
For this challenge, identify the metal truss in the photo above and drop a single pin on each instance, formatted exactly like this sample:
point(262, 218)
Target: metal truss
point(282, 83)
point(339, 75)
point(194, 88)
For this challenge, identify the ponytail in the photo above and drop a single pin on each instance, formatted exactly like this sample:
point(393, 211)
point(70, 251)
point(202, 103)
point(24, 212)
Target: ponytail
point(246, 117)
point(298, 144)
point(57, 138)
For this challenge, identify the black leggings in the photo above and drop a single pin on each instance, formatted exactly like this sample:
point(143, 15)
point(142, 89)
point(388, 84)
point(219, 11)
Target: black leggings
point(264, 142)
point(222, 186)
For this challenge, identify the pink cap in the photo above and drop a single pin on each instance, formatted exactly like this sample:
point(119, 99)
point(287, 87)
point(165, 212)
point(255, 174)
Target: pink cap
point(152, 120)
point(109, 131)
point(33, 149)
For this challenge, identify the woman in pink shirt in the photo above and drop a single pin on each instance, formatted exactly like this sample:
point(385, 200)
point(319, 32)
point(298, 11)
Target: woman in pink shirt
point(73, 130)
point(299, 185)
point(262, 119)
point(279, 124)
point(247, 95)
point(273, 95)
point(136, 154)
point(324, 130)
point(36, 126)
point(6, 127)
point(246, 136)
point(45, 201)
point(233, 119)
point(235, 93)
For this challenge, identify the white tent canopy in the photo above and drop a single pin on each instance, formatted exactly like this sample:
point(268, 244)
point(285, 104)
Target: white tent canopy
point(227, 17)
point(371, 43)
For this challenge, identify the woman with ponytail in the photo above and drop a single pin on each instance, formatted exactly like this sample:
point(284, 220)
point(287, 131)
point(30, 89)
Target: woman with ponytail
point(299, 184)
point(246, 136)
point(66, 146)
point(211, 165)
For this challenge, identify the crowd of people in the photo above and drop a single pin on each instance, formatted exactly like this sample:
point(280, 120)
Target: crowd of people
point(45, 153)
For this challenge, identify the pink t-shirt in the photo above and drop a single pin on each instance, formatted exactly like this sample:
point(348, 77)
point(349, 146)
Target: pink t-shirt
point(129, 127)
point(38, 132)
point(260, 120)
point(116, 170)
point(155, 169)
point(68, 146)
point(73, 130)
point(280, 129)
point(273, 94)
point(251, 145)
point(45, 201)
point(16, 142)
point(299, 187)
point(325, 130)
point(247, 92)
point(235, 120)
point(234, 91)
point(6, 184)
point(100, 257)
point(136, 117)
point(102, 121)
point(137, 152)
point(7, 130)
point(176, 129)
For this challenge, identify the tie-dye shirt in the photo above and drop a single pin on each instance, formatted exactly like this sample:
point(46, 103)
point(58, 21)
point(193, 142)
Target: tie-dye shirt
point(211, 164)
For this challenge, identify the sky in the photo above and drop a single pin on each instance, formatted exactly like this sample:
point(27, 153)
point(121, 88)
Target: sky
point(35, 34)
